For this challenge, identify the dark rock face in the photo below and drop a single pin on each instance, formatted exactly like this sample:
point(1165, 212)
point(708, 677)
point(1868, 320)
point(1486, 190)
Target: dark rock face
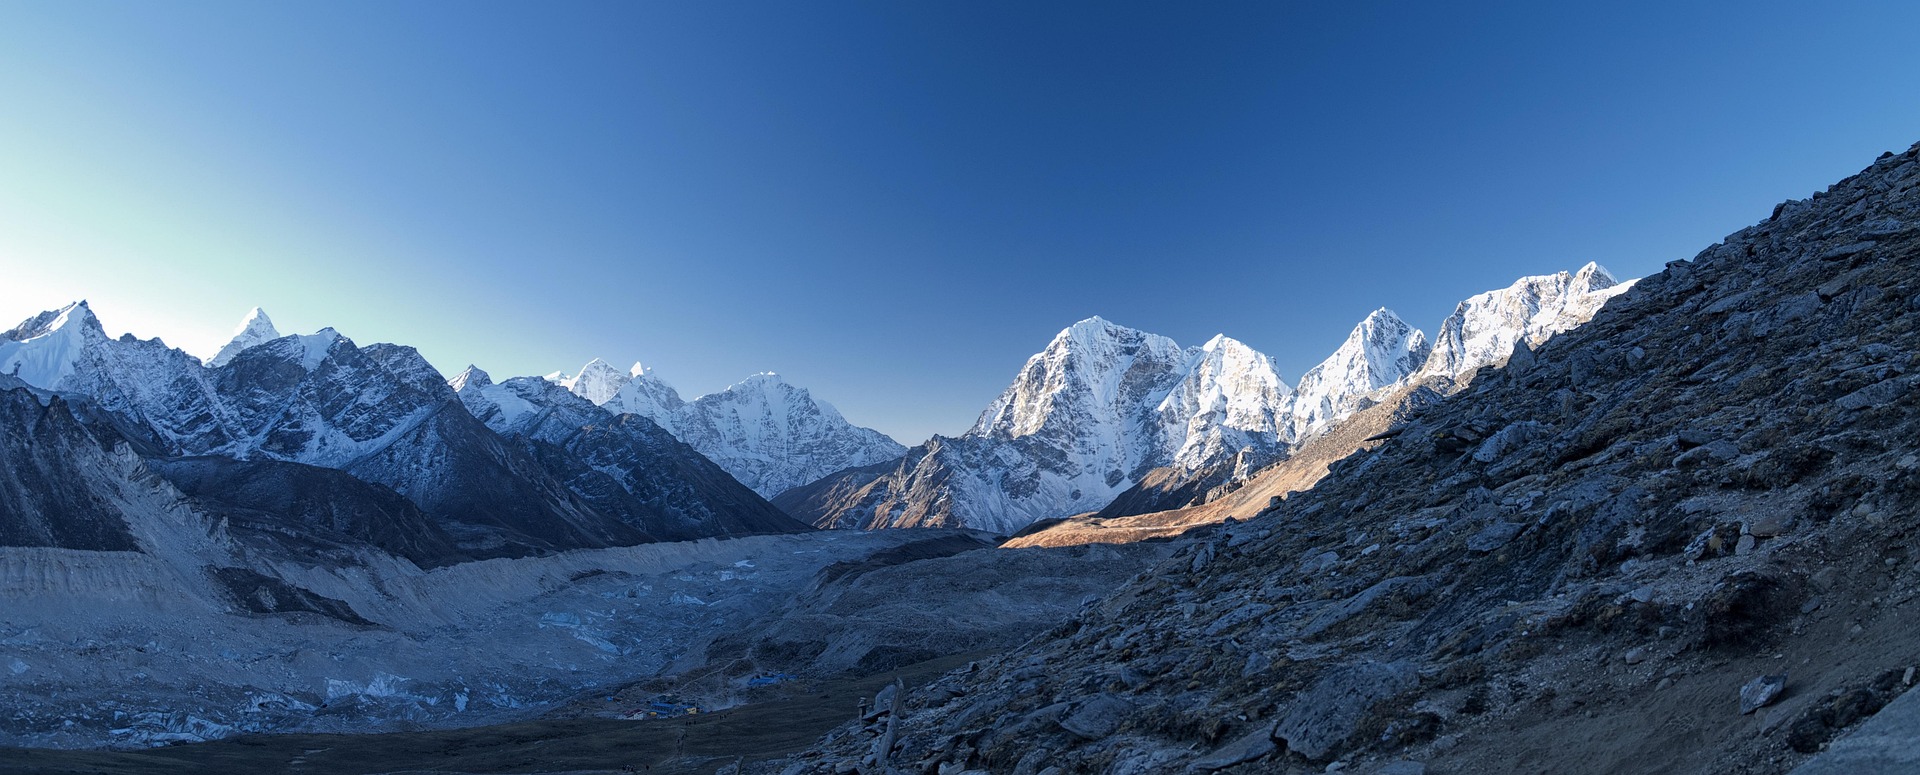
point(47, 460)
point(308, 511)
point(251, 591)
point(1462, 594)
point(897, 493)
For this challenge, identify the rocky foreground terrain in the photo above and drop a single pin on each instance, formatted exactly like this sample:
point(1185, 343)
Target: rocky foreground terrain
point(1679, 538)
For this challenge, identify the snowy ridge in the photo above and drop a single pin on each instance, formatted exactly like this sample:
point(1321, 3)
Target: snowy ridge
point(1484, 329)
point(768, 434)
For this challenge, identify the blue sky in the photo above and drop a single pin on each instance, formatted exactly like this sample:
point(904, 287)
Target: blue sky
point(895, 203)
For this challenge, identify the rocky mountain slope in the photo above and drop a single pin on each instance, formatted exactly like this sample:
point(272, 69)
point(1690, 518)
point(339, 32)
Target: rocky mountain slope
point(770, 435)
point(1675, 539)
point(1105, 408)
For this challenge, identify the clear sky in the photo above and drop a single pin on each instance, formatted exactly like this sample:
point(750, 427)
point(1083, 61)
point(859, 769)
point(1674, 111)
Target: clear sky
point(895, 203)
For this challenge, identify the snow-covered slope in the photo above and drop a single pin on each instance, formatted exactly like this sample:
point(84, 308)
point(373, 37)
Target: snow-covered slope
point(257, 328)
point(770, 435)
point(1231, 399)
point(597, 381)
point(1483, 330)
point(1380, 352)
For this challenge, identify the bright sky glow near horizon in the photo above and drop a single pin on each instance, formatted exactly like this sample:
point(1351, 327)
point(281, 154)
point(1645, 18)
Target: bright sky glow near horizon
point(894, 204)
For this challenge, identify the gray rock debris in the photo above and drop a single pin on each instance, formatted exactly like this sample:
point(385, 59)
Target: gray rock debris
point(1761, 692)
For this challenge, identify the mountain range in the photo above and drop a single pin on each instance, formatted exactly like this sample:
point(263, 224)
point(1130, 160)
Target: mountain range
point(384, 416)
point(1103, 405)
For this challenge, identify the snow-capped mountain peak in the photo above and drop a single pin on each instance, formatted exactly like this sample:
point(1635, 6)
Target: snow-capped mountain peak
point(256, 329)
point(43, 350)
point(1379, 352)
point(1231, 398)
point(1093, 370)
point(597, 381)
point(471, 376)
point(1593, 277)
point(646, 394)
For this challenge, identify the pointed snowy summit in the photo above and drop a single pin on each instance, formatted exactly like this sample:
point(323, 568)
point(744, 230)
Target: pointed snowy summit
point(44, 349)
point(598, 381)
point(472, 376)
point(256, 329)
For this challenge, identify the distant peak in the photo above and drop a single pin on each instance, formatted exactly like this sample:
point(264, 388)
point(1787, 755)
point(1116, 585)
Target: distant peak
point(763, 378)
point(598, 381)
point(1381, 318)
point(54, 320)
point(472, 376)
point(77, 312)
point(257, 322)
point(1594, 277)
point(254, 330)
point(638, 370)
point(1095, 327)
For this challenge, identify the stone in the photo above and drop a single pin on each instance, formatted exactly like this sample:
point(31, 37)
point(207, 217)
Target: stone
point(1248, 747)
point(1237, 617)
point(1401, 586)
point(1030, 764)
point(1634, 655)
point(1882, 392)
point(1692, 437)
point(1325, 716)
point(1097, 717)
point(1508, 439)
point(1847, 250)
point(1761, 692)
point(1717, 451)
point(1745, 545)
point(1494, 536)
point(1402, 767)
point(1771, 524)
point(1832, 288)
